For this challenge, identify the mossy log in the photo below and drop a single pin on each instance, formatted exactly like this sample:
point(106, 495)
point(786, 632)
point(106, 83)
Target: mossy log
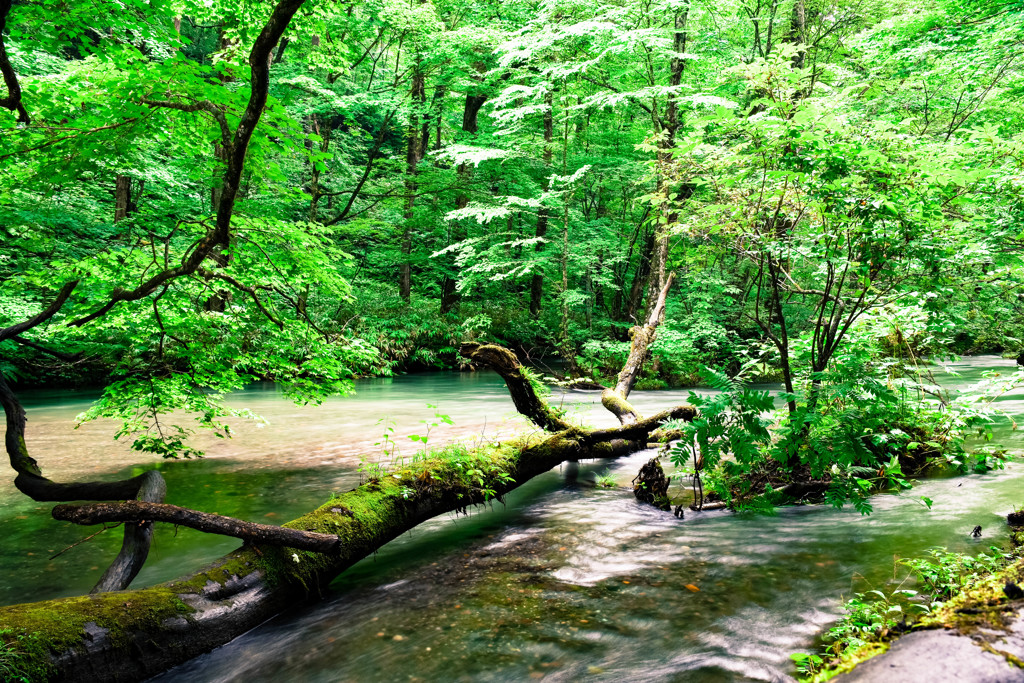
point(134, 634)
point(524, 394)
point(131, 635)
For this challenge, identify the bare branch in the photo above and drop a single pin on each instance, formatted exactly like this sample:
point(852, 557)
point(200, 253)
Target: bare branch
point(140, 511)
point(248, 289)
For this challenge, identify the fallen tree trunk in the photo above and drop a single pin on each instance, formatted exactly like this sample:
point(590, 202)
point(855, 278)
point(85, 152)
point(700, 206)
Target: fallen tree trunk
point(132, 635)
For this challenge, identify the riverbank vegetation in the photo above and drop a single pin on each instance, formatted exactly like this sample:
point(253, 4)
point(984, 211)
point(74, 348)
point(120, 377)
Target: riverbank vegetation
point(827, 194)
point(971, 595)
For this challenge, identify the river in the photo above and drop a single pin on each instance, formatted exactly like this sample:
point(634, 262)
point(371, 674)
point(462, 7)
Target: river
point(565, 581)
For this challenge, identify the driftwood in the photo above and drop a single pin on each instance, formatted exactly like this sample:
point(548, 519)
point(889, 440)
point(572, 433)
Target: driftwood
point(651, 485)
point(137, 501)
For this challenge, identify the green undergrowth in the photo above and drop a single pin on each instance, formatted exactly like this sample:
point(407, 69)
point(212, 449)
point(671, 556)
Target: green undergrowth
point(856, 429)
point(955, 591)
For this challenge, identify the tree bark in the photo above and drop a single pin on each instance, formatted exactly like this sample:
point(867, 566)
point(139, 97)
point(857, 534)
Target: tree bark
point(314, 181)
point(122, 196)
point(449, 294)
point(470, 112)
point(13, 100)
point(666, 162)
point(138, 536)
point(129, 511)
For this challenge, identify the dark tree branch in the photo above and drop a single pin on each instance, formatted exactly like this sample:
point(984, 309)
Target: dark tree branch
point(67, 357)
point(643, 428)
point(43, 316)
point(204, 105)
point(146, 513)
point(248, 289)
point(259, 89)
point(525, 398)
point(366, 170)
point(13, 99)
point(138, 536)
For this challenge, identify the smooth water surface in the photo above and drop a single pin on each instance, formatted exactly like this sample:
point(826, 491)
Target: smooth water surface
point(566, 581)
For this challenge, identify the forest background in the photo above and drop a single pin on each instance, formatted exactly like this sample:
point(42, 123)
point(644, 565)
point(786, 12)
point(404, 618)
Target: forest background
point(196, 196)
point(831, 191)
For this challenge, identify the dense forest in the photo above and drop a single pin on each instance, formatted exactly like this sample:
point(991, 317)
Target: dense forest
point(824, 194)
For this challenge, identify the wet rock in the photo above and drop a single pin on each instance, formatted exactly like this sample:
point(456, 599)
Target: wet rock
point(935, 657)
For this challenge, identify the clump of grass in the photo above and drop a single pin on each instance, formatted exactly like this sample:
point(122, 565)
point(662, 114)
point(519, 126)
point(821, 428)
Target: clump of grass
point(606, 480)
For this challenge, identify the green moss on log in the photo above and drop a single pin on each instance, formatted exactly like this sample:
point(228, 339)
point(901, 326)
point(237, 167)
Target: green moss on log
point(39, 637)
point(36, 632)
point(981, 606)
point(849, 661)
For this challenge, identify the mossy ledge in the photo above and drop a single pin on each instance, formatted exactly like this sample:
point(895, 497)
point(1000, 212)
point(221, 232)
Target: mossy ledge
point(132, 635)
point(981, 612)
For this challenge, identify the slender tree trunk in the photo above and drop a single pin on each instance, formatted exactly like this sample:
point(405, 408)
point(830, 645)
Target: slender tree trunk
point(666, 164)
point(314, 182)
point(413, 154)
point(798, 32)
point(122, 197)
point(449, 296)
point(640, 278)
point(615, 398)
point(221, 155)
point(537, 284)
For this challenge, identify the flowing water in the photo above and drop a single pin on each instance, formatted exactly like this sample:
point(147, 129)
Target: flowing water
point(566, 581)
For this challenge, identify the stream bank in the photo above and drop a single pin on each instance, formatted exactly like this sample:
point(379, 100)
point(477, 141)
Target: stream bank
point(568, 580)
point(976, 636)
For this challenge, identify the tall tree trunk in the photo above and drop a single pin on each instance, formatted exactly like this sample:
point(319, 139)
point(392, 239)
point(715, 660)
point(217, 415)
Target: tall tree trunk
point(797, 34)
point(640, 278)
point(615, 398)
point(449, 295)
point(221, 155)
point(666, 163)
point(314, 181)
point(537, 284)
point(122, 197)
point(413, 154)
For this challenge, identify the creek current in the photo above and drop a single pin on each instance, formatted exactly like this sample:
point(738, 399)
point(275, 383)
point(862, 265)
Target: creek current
point(565, 581)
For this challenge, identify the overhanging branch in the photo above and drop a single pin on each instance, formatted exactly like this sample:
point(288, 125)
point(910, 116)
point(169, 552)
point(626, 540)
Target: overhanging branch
point(144, 512)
